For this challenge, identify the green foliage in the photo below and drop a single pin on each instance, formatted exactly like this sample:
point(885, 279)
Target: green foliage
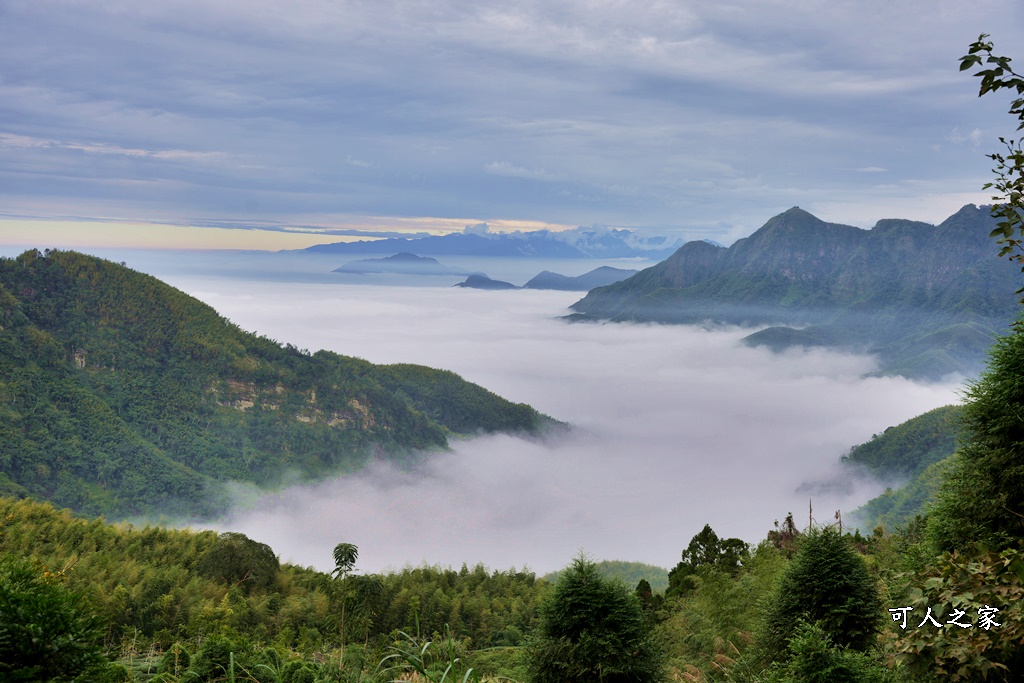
point(970, 582)
point(904, 451)
point(441, 660)
point(1009, 202)
point(175, 661)
point(707, 631)
point(123, 396)
point(499, 663)
point(827, 583)
point(982, 498)
point(235, 559)
point(895, 508)
point(706, 550)
point(460, 406)
point(345, 556)
point(46, 633)
point(593, 629)
point(146, 583)
point(814, 658)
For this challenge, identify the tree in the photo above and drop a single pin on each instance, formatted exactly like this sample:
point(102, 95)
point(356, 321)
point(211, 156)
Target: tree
point(1009, 202)
point(706, 549)
point(827, 583)
point(345, 556)
point(45, 633)
point(237, 559)
point(644, 593)
point(982, 498)
point(592, 629)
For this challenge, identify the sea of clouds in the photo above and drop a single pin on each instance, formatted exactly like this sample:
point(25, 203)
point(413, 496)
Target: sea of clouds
point(673, 427)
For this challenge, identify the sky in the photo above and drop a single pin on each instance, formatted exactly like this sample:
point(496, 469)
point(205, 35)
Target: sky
point(674, 427)
point(258, 119)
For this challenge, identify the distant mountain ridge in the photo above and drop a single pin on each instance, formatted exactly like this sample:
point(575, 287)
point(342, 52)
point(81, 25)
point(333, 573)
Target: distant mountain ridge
point(122, 396)
point(603, 275)
point(579, 243)
point(599, 277)
point(927, 299)
point(401, 263)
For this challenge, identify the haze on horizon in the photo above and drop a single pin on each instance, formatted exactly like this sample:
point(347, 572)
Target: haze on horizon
point(699, 120)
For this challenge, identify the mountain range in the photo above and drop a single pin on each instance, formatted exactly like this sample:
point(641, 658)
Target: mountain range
point(122, 396)
point(926, 299)
point(478, 240)
point(603, 275)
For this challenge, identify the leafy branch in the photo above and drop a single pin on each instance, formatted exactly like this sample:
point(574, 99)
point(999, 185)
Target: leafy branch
point(1009, 170)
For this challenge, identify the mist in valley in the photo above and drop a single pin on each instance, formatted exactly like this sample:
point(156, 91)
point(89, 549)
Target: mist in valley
point(672, 427)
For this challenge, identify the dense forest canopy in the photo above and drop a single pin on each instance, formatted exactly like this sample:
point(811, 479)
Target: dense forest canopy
point(121, 395)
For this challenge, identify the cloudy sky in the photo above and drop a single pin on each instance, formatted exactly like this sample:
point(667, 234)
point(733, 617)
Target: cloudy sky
point(699, 118)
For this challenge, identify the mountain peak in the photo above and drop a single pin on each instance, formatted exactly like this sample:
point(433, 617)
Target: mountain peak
point(796, 213)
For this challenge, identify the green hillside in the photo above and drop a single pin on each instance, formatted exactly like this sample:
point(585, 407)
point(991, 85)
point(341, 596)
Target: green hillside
point(906, 450)
point(916, 453)
point(120, 395)
point(926, 299)
point(629, 573)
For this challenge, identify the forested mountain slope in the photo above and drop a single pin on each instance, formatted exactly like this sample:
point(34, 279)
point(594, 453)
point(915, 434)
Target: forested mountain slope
point(915, 455)
point(123, 396)
point(927, 299)
point(907, 449)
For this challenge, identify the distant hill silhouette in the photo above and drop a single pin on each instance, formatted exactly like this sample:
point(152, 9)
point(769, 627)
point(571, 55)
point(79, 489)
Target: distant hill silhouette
point(402, 263)
point(599, 277)
point(484, 282)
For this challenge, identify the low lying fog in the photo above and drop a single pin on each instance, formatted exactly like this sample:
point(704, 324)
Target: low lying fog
point(675, 427)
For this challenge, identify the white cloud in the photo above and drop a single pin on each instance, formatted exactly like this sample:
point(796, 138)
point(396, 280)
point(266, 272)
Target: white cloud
point(504, 168)
point(958, 138)
point(26, 142)
point(359, 163)
point(675, 427)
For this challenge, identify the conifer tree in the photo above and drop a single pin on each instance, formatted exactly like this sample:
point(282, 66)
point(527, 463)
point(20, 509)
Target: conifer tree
point(827, 584)
point(982, 499)
point(593, 629)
